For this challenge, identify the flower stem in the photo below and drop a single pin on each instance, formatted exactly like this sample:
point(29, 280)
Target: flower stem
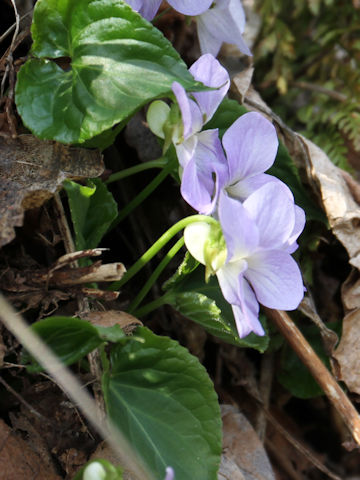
point(149, 307)
point(158, 245)
point(155, 275)
point(143, 195)
point(127, 172)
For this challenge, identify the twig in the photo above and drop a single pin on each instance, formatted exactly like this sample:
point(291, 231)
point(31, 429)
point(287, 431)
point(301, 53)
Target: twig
point(69, 383)
point(266, 377)
point(299, 446)
point(318, 370)
point(25, 403)
point(63, 225)
point(13, 26)
point(340, 97)
point(10, 57)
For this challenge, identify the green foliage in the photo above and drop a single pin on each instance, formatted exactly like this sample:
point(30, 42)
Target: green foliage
point(115, 62)
point(93, 209)
point(70, 338)
point(162, 399)
point(310, 53)
point(204, 304)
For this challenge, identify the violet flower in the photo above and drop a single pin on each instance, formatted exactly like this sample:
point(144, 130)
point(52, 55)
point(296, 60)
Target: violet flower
point(255, 267)
point(148, 8)
point(196, 109)
point(224, 21)
point(170, 474)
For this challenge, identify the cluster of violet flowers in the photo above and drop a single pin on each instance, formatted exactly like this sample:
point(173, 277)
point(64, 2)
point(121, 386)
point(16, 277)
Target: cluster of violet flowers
point(217, 21)
point(249, 247)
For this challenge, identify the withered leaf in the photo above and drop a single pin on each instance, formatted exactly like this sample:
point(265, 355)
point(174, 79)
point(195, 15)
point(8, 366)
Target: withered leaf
point(348, 352)
point(110, 318)
point(242, 448)
point(18, 461)
point(32, 170)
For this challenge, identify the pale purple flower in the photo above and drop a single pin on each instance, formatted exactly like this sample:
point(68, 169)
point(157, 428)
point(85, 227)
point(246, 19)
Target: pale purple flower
point(170, 474)
point(258, 267)
point(224, 21)
point(196, 110)
point(198, 186)
point(148, 8)
point(250, 144)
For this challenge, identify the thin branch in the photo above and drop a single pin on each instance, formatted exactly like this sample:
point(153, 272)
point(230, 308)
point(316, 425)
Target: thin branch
point(10, 57)
point(13, 26)
point(318, 370)
point(319, 89)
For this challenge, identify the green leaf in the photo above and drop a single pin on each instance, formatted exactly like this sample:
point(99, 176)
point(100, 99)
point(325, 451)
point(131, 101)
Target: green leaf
point(204, 304)
point(70, 338)
point(117, 62)
point(162, 399)
point(227, 113)
point(93, 209)
point(110, 334)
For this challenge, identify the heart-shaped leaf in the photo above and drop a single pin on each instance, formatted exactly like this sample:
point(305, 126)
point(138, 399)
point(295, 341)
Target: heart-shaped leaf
point(115, 62)
point(162, 399)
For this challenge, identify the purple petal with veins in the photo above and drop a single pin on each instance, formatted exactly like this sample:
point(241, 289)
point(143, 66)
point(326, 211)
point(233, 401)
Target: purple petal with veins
point(272, 209)
point(240, 231)
point(223, 22)
point(251, 144)
point(190, 7)
point(190, 112)
point(211, 73)
point(276, 279)
point(146, 8)
point(205, 173)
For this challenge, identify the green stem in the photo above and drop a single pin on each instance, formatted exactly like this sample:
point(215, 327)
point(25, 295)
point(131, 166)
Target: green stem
point(149, 307)
point(127, 172)
point(143, 195)
point(155, 275)
point(159, 244)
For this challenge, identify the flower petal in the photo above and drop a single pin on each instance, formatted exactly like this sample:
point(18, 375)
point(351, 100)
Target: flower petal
point(251, 145)
point(190, 112)
point(225, 22)
point(276, 279)
point(146, 8)
point(190, 7)
point(273, 210)
point(211, 73)
point(240, 231)
point(300, 221)
point(170, 474)
point(242, 189)
point(239, 294)
point(205, 173)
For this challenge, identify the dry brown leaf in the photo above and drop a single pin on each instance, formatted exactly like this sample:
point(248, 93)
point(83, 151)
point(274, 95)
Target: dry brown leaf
point(348, 352)
point(242, 447)
point(18, 461)
point(113, 317)
point(341, 209)
point(32, 170)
